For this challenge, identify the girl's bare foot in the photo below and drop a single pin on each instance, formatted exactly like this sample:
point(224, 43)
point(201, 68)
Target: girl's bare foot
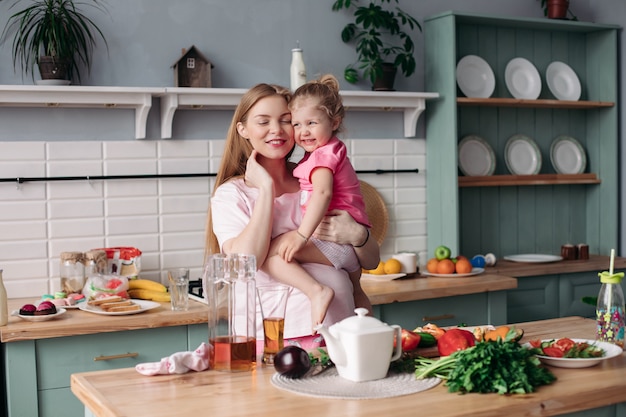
point(319, 304)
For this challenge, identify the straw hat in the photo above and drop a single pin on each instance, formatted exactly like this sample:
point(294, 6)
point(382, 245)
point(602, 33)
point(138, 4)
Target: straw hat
point(376, 211)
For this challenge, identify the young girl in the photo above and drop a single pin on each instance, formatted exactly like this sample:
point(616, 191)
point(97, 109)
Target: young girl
point(327, 181)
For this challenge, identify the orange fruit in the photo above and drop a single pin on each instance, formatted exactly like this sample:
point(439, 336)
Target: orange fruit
point(463, 266)
point(380, 269)
point(392, 266)
point(431, 266)
point(445, 266)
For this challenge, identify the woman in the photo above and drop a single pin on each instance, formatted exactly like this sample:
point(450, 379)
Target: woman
point(256, 198)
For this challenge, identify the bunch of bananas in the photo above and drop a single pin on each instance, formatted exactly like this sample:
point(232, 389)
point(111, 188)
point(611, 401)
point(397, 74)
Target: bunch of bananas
point(145, 289)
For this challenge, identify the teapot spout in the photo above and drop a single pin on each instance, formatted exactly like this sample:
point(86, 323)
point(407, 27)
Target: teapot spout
point(335, 349)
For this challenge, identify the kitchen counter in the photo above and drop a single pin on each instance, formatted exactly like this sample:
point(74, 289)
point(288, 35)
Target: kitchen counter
point(595, 263)
point(124, 392)
point(77, 322)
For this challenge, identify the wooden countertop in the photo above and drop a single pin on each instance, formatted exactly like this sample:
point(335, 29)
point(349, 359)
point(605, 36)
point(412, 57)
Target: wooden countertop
point(595, 264)
point(77, 322)
point(423, 288)
point(124, 392)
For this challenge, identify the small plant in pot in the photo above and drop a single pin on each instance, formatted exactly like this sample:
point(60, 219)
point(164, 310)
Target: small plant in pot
point(55, 35)
point(382, 41)
point(557, 9)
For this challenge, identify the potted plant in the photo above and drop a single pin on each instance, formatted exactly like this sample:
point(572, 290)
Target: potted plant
point(55, 35)
point(557, 9)
point(381, 41)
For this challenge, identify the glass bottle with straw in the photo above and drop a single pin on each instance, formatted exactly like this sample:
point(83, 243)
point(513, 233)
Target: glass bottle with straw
point(610, 317)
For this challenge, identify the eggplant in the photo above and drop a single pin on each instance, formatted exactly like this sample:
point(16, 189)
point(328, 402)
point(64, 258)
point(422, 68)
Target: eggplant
point(292, 362)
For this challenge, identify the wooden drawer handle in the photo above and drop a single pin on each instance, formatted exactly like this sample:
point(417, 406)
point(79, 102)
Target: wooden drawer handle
point(435, 318)
point(120, 356)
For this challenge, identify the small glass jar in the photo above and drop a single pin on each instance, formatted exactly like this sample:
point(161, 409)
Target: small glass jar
point(95, 263)
point(72, 272)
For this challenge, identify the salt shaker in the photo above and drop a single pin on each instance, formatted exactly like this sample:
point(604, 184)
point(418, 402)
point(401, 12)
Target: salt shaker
point(610, 308)
point(72, 272)
point(298, 71)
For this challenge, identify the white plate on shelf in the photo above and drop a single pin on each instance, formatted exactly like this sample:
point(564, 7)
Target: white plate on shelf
point(522, 155)
point(476, 157)
point(610, 350)
point(522, 79)
point(386, 277)
point(475, 77)
point(46, 317)
point(563, 81)
point(475, 271)
point(568, 156)
point(144, 304)
point(532, 258)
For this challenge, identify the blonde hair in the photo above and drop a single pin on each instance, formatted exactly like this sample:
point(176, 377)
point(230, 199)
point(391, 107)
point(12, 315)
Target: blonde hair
point(326, 91)
point(238, 149)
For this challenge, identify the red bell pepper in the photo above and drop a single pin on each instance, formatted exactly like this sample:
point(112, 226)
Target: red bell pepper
point(453, 340)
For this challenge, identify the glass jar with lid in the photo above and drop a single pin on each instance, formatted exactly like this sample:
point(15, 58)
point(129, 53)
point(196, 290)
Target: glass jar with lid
point(72, 271)
point(95, 263)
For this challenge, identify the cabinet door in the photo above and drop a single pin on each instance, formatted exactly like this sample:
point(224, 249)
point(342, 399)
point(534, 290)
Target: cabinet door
point(536, 298)
point(58, 358)
point(449, 311)
point(573, 287)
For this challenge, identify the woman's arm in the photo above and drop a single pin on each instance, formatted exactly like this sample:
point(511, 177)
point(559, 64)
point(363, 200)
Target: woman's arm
point(338, 226)
point(254, 238)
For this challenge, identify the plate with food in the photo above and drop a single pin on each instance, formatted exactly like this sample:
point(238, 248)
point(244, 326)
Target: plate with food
point(384, 277)
point(573, 353)
point(475, 271)
point(42, 312)
point(117, 306)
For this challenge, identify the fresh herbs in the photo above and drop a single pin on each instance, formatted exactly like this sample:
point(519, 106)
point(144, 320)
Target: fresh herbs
point(492, 366)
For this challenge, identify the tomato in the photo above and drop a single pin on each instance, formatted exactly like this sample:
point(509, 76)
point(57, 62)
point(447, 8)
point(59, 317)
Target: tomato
point(410, 340)
point(453, 340)
point(554, 352)
point(535, 343)
point(564, 344)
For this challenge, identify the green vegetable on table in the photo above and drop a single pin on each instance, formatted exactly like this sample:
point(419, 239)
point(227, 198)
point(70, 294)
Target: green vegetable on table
point(503, 367)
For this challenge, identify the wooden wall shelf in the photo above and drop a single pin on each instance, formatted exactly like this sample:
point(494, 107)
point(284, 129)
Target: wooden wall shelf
point(539, 179)
point(541, 103)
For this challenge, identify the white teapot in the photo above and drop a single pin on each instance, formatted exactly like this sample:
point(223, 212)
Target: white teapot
point(361, 347)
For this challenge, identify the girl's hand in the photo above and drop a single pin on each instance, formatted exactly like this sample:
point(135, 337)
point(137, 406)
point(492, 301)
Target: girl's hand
point(290, 243)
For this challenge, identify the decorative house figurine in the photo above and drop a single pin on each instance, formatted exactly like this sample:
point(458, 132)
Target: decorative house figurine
point(192, 69)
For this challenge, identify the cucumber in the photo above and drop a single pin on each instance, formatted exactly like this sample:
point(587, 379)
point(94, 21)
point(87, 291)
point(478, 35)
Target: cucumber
point(426, 340)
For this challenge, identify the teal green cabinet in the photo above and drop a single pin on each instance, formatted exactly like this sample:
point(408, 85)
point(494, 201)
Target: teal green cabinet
point(38, 371)
point(521, 215)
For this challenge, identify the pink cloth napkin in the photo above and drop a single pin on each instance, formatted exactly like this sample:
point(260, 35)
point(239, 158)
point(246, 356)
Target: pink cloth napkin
point(178, 363)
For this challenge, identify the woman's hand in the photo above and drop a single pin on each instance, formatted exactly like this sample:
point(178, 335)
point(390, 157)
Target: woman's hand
point(256, 176)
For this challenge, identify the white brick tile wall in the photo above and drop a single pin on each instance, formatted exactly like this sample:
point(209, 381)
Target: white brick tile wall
point(165, 218)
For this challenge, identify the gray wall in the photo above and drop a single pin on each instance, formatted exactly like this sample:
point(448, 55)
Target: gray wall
point(249, 41)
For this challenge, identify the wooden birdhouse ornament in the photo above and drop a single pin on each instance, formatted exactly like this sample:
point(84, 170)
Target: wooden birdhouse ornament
point(192, 69)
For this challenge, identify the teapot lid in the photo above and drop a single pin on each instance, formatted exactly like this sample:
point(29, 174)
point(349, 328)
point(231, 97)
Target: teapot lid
point(362, 323)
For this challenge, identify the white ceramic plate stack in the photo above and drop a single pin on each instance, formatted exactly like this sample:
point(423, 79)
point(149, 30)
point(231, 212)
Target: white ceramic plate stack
point(476, 157)
point(475, 77)
point(567, 156)
point(563, 81)
point(522, 156)
point(522, 79)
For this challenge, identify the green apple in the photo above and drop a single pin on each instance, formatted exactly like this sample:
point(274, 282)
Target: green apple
point(442, 252)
